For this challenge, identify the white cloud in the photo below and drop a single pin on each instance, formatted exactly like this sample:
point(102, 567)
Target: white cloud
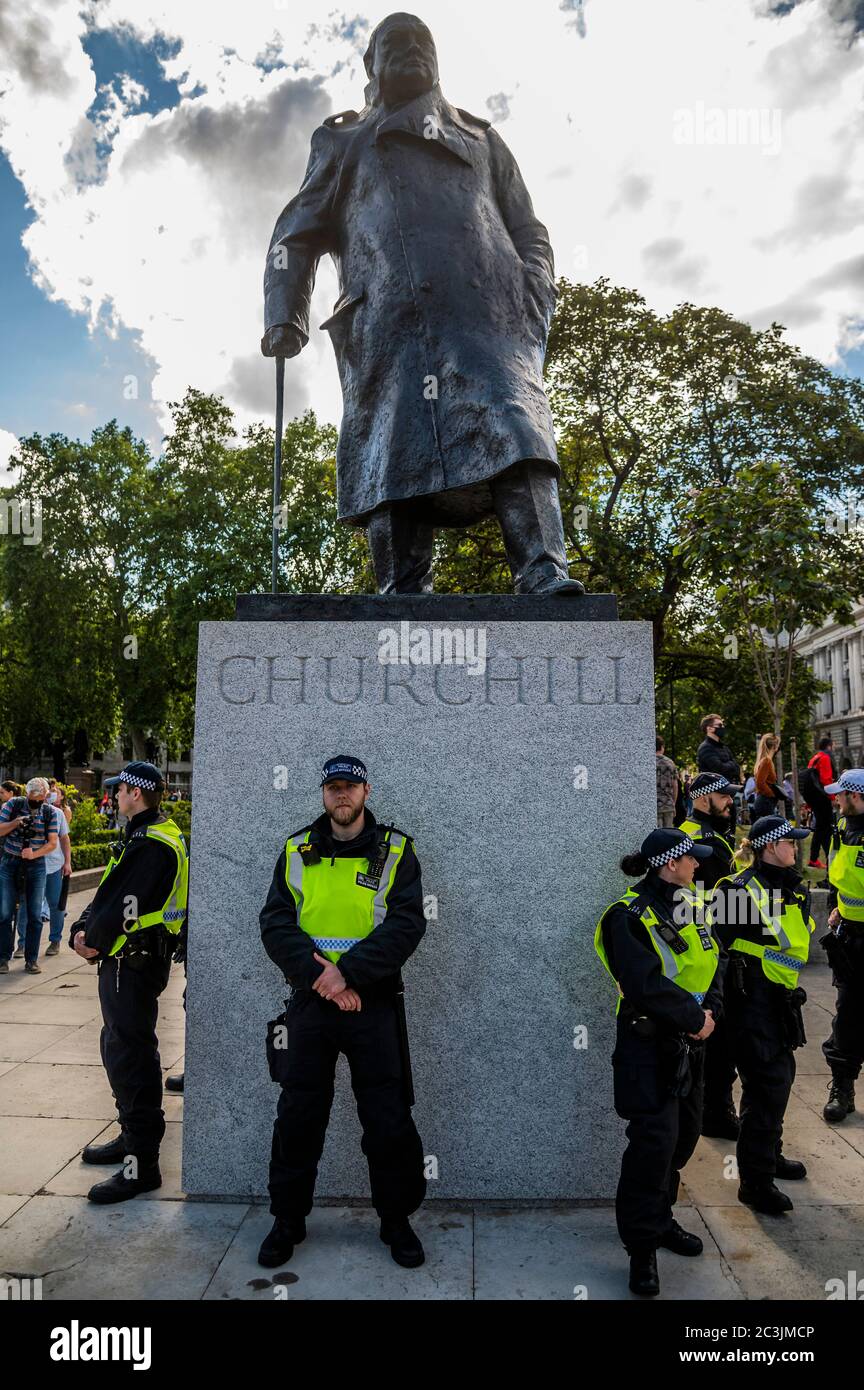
point(8, 445)
point(167, 235)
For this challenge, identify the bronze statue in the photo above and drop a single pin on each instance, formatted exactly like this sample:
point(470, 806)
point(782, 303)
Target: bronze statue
point(446, 294)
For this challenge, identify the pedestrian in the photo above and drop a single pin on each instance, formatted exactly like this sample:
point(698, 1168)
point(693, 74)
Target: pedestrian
point(668, 972)
point(343, 915)
point(30, 830)
point(714, 755)
point(131, 929)
point(768, 790)
point(761, 915)
point(667, 786)
point(821, 773)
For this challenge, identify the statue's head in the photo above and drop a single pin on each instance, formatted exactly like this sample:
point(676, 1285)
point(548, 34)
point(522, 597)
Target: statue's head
point(400, 61)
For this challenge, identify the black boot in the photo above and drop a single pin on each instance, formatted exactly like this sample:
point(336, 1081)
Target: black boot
point(278, 1246)
point(722, 1124)
point(765, 1197)
point(174, 1083)
point(789, 1169)
point(119, 1188)
point(681, 1242)
point(114, 1152)
point(644, 1278)
point(841, 1100)
point(405, 1247)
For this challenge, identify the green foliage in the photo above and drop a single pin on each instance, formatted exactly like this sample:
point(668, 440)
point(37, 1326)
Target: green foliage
point(89, 856)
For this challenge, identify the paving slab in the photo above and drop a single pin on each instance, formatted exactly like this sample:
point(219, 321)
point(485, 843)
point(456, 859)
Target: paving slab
point(9, 1204)
point(791, 1256)
point(54, 1008)
point(137, 1250)
point(343, 1259)
point(21, 1041)
point(35, 1149)
point(67, 1092)
point(556, 1255)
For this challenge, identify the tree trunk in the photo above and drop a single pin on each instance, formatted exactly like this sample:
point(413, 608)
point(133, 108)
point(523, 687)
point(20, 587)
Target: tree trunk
point(58, 757)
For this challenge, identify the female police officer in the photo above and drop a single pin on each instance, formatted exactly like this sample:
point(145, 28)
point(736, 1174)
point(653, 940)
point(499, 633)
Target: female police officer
point(762, 917)
point(667, 966)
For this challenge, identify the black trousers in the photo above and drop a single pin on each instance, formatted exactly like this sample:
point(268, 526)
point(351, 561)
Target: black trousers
point(662, 1133)
point(525, 500)
point(129, 992)
point(844, 1050)
point(719, 1071)
point(823, 820)
point(766, 1066)
point(317, 1031)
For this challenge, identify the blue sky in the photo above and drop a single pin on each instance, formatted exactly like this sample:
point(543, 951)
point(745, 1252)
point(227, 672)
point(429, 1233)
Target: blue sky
point(154, 152)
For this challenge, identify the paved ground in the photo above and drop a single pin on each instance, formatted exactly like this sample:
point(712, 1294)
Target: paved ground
point(54, 1099)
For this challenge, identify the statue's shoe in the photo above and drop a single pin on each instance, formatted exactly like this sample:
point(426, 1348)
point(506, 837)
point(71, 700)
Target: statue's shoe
point(559, 586)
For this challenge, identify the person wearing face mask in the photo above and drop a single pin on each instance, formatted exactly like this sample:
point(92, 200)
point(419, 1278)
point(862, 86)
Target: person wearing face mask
point(711, 824)
point(659, 949)
point(30, 830)
point(844, 945)
point(713, 755)
point(762, 917)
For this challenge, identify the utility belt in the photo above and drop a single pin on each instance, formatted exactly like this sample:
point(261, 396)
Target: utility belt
point(842, 960)
point(148, 944)
point(746, 984)
point(675, 1050)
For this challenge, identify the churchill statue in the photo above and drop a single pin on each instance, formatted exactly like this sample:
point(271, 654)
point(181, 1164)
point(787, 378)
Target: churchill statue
point(446, 292)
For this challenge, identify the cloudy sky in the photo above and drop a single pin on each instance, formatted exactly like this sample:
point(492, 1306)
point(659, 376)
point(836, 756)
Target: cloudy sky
point(707, 150)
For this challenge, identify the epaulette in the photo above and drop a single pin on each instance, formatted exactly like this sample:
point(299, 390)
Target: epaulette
point(477, 120)
point(741, 880)
point(301, 831)
point(403, 833)
point(342, 118)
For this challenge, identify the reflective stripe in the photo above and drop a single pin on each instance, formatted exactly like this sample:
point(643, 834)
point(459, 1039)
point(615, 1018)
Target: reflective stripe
point(698, 997)
point(396, 844)
point(778, 957)
point(336, 943)
point(667, 955)
point(295, 870)
point(850, 902)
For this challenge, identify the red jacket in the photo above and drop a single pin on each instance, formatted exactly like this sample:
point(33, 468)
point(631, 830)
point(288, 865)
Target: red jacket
point(822, 766)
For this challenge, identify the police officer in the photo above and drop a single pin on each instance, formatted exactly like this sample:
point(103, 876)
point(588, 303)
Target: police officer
point(668, 970)
point(711, 824)
point(844, 1050)
point(130, 928)
point(762, 917)
point(344, 913)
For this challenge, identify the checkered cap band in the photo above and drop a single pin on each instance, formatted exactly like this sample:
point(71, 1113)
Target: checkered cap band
point(778, 833)
point(683, 847)
point(332, 770)
point(718, 785)
point(147, 783)
point(852, 780)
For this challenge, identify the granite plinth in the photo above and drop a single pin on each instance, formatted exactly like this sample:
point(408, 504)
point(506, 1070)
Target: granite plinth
point(523, 777)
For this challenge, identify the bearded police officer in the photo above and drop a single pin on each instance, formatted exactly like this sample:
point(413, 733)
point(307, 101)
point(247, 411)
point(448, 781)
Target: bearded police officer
point(344, 913)
point(762, 917)
point(711, 824)
point(668, 970)
point(131, 928)
point(844, 1050)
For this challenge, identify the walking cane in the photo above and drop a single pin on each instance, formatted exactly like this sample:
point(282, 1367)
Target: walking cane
point(277, 471)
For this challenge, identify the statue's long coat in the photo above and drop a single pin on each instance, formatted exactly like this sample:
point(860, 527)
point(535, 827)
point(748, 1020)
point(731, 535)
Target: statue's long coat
point(446, 293)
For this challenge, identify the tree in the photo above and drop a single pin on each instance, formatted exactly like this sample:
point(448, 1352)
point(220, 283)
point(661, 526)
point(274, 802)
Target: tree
point(649, 408)
point(778, 568)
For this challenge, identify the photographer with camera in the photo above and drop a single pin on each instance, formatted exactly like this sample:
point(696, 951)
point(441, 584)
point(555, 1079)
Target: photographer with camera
point(30, 829)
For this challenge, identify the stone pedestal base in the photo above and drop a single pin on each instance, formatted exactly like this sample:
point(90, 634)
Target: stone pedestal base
point(524, 771)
